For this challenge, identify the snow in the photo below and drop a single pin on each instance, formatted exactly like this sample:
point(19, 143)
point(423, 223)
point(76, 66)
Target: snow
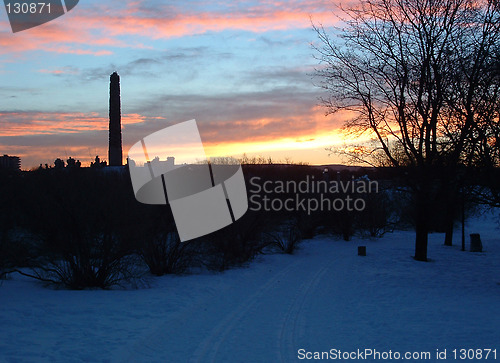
point(323, 297)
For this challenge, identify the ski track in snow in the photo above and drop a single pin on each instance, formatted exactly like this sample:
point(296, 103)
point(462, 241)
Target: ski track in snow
point(322, 297)
point(289, 302)
point(290, 328)
point(208, 349)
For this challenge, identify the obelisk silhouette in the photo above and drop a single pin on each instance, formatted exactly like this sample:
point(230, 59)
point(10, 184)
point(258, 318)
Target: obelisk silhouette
point(115, 124)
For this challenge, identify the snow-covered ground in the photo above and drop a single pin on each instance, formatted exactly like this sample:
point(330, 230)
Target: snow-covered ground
point(323, 298)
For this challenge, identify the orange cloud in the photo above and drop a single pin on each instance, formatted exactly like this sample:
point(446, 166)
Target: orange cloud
point(301, 127)
point(94, 31)
point(84, 135)
point(54, 37)
point(51, 123)
point(64, 70)
point(190, 24)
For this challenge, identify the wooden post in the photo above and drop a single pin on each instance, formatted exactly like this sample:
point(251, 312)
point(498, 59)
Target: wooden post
point(475, 243)
point(463, 219)
point(361, 250)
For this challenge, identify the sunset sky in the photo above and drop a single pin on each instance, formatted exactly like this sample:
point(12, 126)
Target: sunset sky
point(242, 69)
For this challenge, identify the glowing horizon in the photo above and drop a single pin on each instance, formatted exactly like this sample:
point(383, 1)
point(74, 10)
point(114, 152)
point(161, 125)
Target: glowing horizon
point(241, 69)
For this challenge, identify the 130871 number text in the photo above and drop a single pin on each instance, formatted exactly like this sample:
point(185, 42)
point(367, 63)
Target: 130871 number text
point(28, 8)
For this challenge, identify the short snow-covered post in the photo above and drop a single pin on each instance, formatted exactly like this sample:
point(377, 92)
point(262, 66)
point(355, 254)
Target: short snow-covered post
point(361, 250)
point(475, 243)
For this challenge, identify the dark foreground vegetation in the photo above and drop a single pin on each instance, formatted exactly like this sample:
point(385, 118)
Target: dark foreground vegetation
point(83, 228)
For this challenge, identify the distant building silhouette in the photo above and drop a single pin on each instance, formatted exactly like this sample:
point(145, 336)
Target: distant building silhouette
point(115, 127)
point(10, 162)
point(164, 165)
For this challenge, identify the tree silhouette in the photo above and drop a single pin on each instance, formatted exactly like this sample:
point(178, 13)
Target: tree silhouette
point(59, 163)
point(409, 71)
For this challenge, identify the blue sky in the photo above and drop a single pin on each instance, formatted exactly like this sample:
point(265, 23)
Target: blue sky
point(242, 69)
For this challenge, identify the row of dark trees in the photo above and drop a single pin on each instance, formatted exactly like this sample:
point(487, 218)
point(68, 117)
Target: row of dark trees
point(84, 228)
point(422, 79)
point(74, 163)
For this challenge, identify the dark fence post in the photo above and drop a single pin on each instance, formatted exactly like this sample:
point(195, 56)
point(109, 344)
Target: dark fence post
point(361, 250)
point(475, 243)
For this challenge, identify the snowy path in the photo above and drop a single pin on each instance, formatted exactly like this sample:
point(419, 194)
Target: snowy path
point(328, 297)
point(245, 322)
point(323, 297)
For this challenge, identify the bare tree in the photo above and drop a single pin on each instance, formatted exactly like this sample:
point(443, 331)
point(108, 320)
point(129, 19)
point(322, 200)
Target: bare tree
point(408, 71)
